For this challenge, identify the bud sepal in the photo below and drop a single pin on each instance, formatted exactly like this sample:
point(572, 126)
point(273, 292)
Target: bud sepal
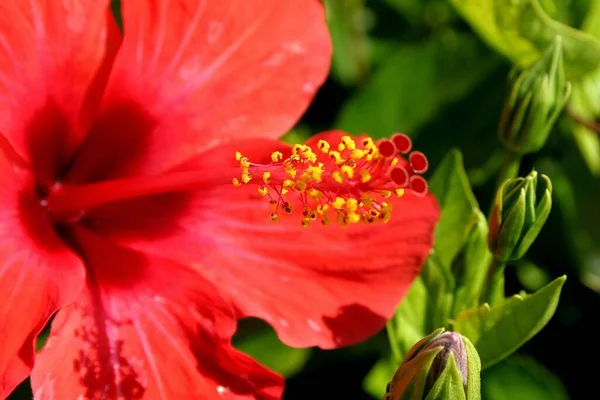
point(443, 365)
point(520, 210)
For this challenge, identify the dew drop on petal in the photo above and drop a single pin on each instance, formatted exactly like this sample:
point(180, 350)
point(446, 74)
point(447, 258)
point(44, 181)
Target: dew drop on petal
point(221, 389)
point(313, 325)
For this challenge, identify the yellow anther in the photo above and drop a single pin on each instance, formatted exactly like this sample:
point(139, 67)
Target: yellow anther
point(310, 156)
point(305, 222)
point(303, 151)
point(353, 218)
point(337, 176)
point(347, 170)
point(309, 213)
point(290, 170)
point(236, 182)
point(386, 212)
point(324, 146)
point(357, 154)
point(276, 156)
point(238, 156)
point(322, 209)
point(301, 186)
point(374, 213)
point(341, 147)
point(365, 175)
point(399, 192)
point(385, 193)
point(287, 207)
point(288, 183)
point(246, 177)
point(338, 203)
point(284, 191)
point(244, 163)
point(349, 142)
point(351, 205)
point(262, 191)
point(325, 220)
point(273, 204)
point(313, 174)
point(314, 194)
point(297, 149)
point(342, 218)
point(367, 200)
point(274, 217)
point(367, 142)
point(394, 161)
point(337, 157)
point(266, 177)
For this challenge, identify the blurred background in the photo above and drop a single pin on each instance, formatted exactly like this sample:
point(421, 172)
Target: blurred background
point(416, 66)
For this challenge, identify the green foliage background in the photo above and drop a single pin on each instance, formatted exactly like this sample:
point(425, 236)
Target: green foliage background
point(418, 67)
point(422, 68)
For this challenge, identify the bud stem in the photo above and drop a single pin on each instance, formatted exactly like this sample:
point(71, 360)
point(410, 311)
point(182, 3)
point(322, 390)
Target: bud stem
point(509, 170)
point(494, 291)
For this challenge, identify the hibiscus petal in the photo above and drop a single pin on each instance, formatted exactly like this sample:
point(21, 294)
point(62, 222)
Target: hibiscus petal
point(146, 328)
point(194, 72)
point(54, 61)
point(326, 286)
point(38, 274)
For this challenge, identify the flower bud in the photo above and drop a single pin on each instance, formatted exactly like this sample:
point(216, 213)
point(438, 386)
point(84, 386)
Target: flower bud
point(520, 210)
point(443, 365)
point(538, 96)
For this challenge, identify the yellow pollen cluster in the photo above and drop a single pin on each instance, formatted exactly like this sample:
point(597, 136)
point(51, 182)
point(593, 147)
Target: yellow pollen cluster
point(344, 183)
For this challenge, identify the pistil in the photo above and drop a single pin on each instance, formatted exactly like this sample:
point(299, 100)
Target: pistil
point(346, 182)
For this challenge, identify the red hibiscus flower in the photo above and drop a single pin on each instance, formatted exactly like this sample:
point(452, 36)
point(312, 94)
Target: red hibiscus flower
point(118, 212)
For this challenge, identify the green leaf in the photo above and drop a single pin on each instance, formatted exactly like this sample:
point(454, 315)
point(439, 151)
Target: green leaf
point(451, 187)
point(585, 102)
point(440, 293)
point(521, 378)
point(500, 330)
point(412, 85)
point(409, 323)
point(470, 266)
point(346, 20)
point(521, 30)
point(591, 23)
point(266, 347)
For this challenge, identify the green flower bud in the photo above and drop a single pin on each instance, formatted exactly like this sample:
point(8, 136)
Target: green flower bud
point(443, 365)
point(538, 96)
point(520, 210)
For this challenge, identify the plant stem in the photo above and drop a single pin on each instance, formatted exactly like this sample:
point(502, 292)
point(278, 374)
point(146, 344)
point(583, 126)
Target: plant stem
point(510, 168)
